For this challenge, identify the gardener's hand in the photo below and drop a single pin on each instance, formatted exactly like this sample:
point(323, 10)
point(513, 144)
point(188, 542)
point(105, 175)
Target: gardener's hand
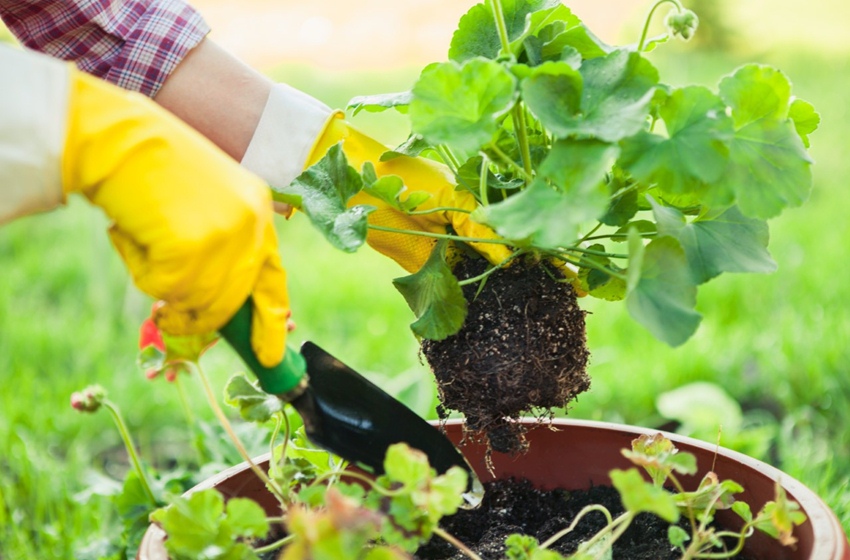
point(194, 229)
point(295, 131)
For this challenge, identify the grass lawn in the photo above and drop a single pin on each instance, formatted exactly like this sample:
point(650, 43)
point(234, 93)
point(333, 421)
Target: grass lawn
point(69, 318)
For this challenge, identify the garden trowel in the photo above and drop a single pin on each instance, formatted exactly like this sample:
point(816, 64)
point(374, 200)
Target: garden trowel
point(343, 412)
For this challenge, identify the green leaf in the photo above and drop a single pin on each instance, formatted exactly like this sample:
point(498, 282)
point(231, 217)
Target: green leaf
point(549, 217)
point(412, 147)
point(151, 358)
point(390, 188)
point(661, 294)
point(380, 102)
point(539, 216)
point(701, 407)
point(578, 39)
point(553, 90)
point(769, 168)
point(134, 507)
point(186, 348)
point(525, 547)
point(254, 404)
point(322, 193)
point(615, 98)
point(743, 510)
point(477, 35)
point(406, 466)
point(806, 119)
point(756, 92)
point(198, 526)
point(579, 167)
point(598, 283)
point(659, 457)
point(677, 536)
point(712, 495)
point(459, 105)
point(435, 297)
point(639, 496)
point(779, 517)
point(730, 242)
point(695, 150)
point(418, 498)
point(624, 200)
point(246, 518)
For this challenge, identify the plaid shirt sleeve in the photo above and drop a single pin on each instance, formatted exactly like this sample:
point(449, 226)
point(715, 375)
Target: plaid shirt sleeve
point(134, 44)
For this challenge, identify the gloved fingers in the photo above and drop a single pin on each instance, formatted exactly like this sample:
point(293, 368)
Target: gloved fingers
point(204, 315)
point(133, 254)
point(410, 251)
point(270, 319)
point(496, 253)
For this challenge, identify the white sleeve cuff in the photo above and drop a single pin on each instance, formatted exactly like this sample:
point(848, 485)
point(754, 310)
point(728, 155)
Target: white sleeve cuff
point(33, 115)
point(288, 129)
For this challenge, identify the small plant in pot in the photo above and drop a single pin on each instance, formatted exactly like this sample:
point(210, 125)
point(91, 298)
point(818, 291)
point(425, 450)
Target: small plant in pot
point(599, 178)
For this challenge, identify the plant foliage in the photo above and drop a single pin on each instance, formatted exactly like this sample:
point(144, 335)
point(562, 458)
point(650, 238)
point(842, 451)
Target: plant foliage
point(571, 146)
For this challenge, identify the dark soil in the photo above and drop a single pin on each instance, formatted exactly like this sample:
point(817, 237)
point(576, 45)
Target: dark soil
point(512, 506)
point(521, 351)
point(515, 506)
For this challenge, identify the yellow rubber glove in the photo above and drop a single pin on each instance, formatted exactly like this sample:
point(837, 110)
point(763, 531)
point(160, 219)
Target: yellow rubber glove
point(418, 174)
point(193, 227)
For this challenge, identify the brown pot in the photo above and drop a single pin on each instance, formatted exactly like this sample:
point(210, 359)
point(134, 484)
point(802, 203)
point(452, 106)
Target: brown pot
point(577, 454)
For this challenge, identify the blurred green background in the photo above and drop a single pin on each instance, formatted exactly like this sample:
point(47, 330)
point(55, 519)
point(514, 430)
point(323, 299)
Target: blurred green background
point(775, 347)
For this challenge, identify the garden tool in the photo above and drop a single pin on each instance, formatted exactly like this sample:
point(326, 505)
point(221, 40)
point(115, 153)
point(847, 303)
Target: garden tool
point(343, 412)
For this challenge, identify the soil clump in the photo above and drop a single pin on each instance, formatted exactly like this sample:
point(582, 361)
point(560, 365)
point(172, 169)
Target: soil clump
point(522, 351)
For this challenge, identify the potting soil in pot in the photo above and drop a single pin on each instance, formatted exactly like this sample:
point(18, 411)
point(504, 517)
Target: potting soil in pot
point(512, 506)
point(521, 350)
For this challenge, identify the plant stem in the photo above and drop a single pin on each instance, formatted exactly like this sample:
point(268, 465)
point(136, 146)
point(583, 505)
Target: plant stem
point(517, 112)
point(492, 269)
point(590, 233)
point(131, 449)
point(681, 490)
point(225, 423)
point(203, 456)
point(596, 253)
point(587, 263)
point(616, 528)
point(482, 179)
point(275, 545)
point(501, 27)
point(613, 235)
point(456, 543)
point(287, 433)
point(563, 532)
point(642, 41)
point(440, 235)
point(508, 161)
point(518, 116)
point(439, 209)
point(279, 418)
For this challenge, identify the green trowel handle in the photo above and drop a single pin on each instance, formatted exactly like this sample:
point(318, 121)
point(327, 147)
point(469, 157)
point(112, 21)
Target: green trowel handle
point(278, 380)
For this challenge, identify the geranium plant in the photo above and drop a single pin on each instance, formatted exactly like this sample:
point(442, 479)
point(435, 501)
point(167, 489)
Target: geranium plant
point(578, 154)
point(577, 150)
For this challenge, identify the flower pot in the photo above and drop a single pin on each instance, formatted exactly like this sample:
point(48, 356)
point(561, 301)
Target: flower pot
point(577, 454)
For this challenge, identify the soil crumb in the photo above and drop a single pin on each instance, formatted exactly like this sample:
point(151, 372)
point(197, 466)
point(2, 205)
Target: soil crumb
point(522, 351)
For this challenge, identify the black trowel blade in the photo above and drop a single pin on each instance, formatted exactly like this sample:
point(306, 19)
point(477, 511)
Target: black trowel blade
point(350, 416)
